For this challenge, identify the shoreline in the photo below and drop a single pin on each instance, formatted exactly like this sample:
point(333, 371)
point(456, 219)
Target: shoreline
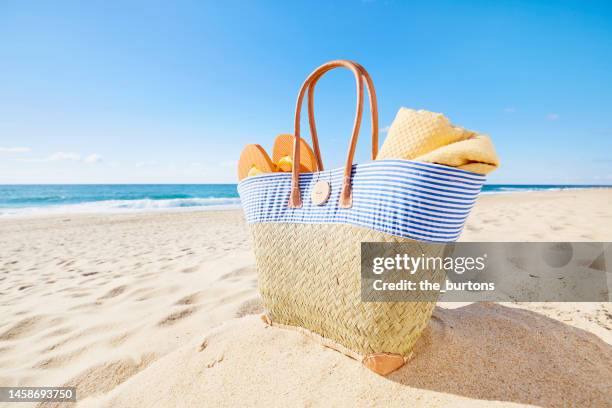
point(36, 213)
point(577, 188)
point(56, 210)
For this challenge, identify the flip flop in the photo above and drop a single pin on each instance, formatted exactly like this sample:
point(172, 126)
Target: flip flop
point(282, 154)
point(254, 160)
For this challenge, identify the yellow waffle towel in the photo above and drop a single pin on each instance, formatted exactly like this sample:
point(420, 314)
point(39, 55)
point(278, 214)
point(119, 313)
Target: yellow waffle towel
point(430, 137)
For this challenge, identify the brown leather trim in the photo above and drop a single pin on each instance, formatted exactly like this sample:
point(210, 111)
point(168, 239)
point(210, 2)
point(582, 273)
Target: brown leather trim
point(383, 363)
point(360, 73)
point(295, 200)
point(266, 319)
point(346, 195)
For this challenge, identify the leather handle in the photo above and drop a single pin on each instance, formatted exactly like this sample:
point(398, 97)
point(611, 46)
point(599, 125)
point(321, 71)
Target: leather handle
point(373, 112)
point(359, 73)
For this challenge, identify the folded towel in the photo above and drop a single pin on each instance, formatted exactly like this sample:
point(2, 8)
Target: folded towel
point(430, 137)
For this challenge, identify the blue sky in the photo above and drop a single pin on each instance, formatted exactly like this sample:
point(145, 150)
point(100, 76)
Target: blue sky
point(124, 92)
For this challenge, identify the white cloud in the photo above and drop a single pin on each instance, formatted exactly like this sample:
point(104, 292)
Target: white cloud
point(61, 156)
point(510, 109)
point(92, 158)
point(552, 116)
point(57, 156)
point(71, 156)
point(15, 149)
point(384, 129)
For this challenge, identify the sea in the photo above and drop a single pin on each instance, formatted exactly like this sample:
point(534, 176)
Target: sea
point(16, 200)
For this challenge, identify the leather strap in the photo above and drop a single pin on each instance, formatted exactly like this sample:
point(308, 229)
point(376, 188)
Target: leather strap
point(373, 111)
point(359, 73)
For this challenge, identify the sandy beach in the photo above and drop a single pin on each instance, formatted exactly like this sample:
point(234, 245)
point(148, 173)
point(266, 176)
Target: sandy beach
point(161, 309)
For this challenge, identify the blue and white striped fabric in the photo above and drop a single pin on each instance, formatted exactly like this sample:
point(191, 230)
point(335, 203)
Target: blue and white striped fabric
point(421, 201)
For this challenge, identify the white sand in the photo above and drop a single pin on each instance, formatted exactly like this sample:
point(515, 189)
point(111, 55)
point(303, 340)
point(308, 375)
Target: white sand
point(121, 305)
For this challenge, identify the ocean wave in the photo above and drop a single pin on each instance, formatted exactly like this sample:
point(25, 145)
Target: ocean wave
point(503, 190)
point(127, 206)
point(527, 189)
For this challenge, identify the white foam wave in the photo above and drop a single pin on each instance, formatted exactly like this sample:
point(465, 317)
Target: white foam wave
point(508, 190)
point(127, 206)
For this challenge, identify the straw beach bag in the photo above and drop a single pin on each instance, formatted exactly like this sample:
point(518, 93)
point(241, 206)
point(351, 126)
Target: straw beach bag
point(307, 230)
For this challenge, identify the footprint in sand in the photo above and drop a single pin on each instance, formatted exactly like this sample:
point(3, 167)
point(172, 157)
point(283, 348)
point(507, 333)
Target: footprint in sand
point(152, 293)
point(238, 274)
point(113, 292)
point(23, 328)
point(60, 360)
point(250, 307)
point(190, 299)
point(84, 306)
point(104, 377)
point(89, 273)
point(176, 316)
point(79, 295)
point(147, 275)
point(119, 339)
point(59, 332)
point(5, 349)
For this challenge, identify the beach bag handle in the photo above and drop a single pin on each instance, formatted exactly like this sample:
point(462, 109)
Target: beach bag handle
point(360, 73)
point(373, 111)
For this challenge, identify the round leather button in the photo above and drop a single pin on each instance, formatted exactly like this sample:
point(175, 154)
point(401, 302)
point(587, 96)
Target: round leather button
point(320, 192)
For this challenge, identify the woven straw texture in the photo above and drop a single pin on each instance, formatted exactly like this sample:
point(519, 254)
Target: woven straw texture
point(310, 276)
point(430, 137)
